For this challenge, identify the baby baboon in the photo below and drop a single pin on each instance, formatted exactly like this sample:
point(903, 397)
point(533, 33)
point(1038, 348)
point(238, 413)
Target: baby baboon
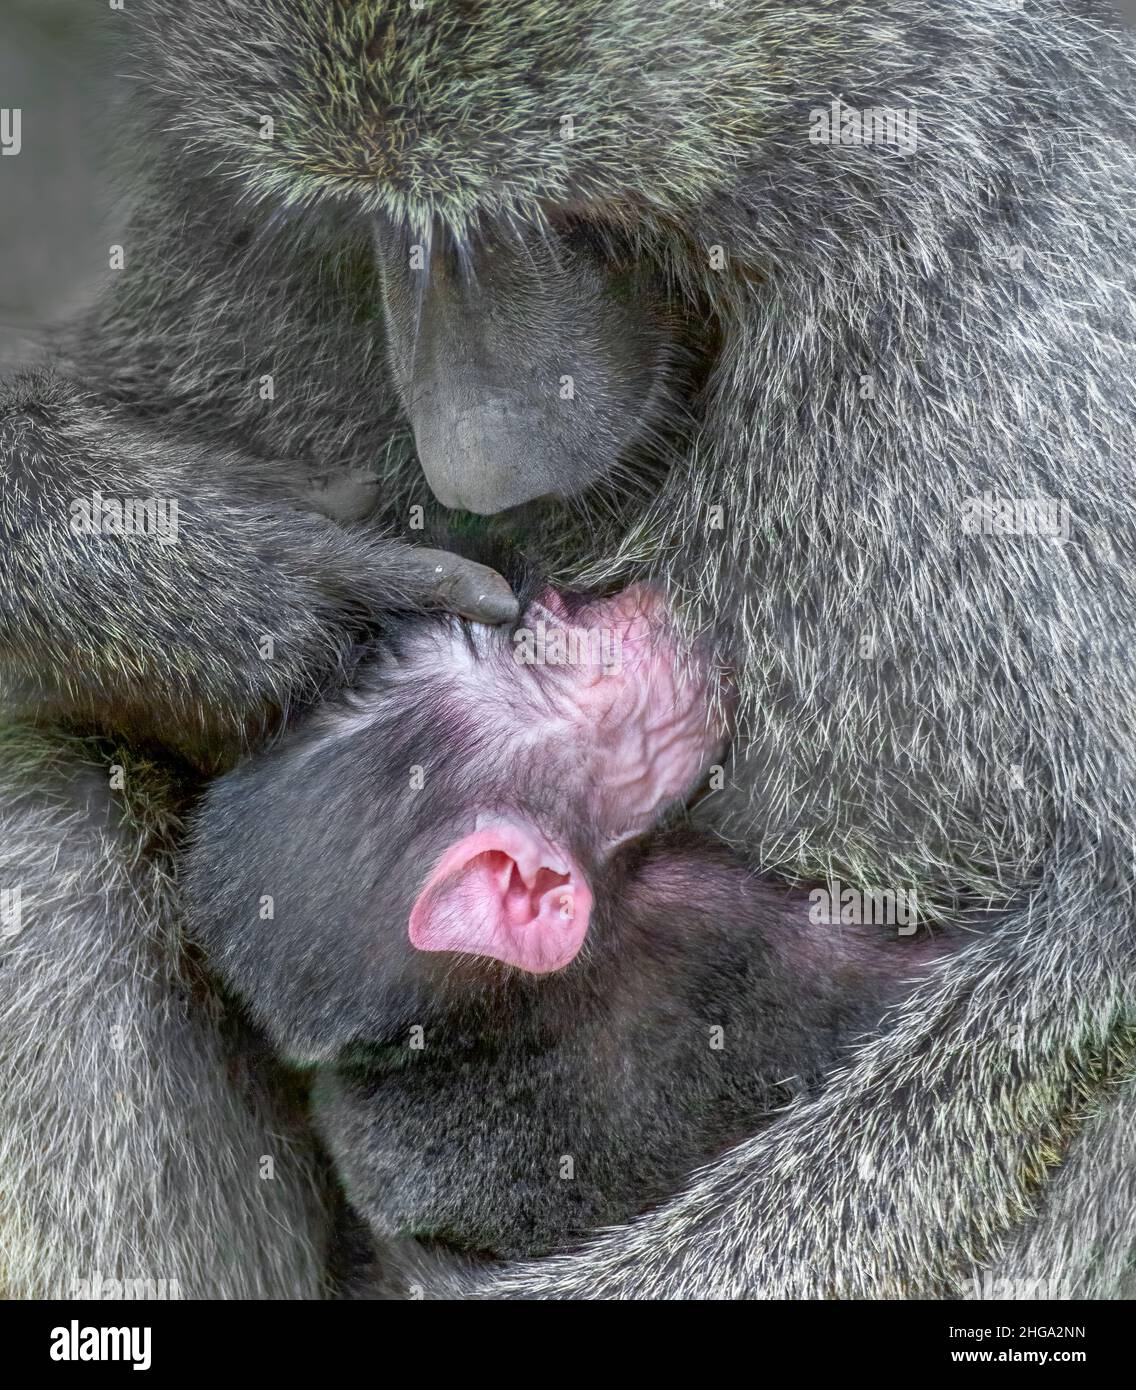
point(531, 1011)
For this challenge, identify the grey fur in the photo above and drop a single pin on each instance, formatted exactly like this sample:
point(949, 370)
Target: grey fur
point(119, 1090)
point(985, 755)
point(1081, 1244)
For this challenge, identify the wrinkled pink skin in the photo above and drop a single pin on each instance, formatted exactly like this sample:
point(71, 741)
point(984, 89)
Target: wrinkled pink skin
point(644, 732)
point(638, 733)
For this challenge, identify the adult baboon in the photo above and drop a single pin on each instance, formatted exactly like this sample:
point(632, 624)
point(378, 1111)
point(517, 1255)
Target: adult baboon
point(859, 275)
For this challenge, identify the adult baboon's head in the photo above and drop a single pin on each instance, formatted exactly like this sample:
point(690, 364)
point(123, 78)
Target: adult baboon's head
point(538, 179)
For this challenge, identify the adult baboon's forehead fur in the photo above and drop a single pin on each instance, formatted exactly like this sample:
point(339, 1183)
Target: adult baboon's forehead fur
point(452, 108)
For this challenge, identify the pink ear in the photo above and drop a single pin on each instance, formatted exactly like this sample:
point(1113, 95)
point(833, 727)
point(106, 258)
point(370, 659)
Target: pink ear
point(504, 892)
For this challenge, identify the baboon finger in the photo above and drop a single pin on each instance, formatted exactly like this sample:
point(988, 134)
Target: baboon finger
point(464, 587)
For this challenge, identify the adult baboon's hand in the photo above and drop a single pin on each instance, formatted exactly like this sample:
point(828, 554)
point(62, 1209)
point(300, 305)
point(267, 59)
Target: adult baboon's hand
point(462, 586)
point(217, 608)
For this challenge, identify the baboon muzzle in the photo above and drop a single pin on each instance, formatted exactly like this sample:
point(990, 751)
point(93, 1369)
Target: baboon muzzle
point(523, 363)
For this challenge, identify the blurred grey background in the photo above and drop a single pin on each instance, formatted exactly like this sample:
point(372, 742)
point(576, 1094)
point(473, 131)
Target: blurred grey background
point(56, 203)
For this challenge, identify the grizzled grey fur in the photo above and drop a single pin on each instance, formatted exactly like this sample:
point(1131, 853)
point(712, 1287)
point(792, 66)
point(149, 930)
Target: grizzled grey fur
point(886, 336)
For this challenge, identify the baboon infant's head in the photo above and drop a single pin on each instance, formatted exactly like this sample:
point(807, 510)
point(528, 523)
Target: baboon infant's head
point(455, 893)
point(462, 805)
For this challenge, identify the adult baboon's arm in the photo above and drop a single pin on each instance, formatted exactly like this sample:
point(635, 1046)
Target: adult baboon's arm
point(1083, 1243)
point(917, 1157)
point(193, 638)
